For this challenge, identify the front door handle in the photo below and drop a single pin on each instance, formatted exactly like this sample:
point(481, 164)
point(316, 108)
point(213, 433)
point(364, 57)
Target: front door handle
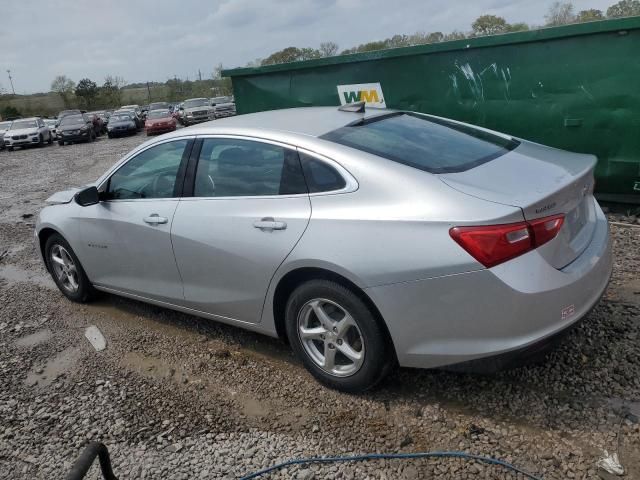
point(155, 219)
point(268, 224)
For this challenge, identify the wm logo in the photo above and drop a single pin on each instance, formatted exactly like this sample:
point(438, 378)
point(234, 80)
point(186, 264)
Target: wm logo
point(368, 96)
point(370, 93)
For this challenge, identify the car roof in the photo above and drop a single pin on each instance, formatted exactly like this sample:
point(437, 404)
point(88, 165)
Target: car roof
point(313, 121)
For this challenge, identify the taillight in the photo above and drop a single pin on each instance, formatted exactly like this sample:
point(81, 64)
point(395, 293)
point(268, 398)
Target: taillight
point(495, 244)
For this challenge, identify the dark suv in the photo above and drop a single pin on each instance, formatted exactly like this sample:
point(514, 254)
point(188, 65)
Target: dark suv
point(76, 128)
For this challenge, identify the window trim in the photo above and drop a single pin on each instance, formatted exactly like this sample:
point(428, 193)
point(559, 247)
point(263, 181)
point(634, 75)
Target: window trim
point(192, 168)
point(180, 176)
point(351, 184)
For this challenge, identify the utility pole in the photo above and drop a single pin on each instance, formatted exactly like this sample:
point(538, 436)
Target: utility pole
point(11, 81)
point(199, 75)
point(148, 93)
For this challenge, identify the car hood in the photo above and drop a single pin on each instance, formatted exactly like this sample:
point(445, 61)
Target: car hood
point(159, 120)
point(196, 109)
point(72, 126)
point(21, 131)
point(64, 196)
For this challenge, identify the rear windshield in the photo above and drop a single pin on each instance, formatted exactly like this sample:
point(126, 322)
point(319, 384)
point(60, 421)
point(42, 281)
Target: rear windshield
point(427, 143)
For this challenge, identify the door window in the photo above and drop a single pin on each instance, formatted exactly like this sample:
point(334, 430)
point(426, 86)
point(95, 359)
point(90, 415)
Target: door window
point(150, 174)
point(241, 168)
point(320, 176)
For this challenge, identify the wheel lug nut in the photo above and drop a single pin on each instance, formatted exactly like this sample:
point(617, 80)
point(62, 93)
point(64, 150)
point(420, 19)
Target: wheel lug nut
point(332, 346)
point(339, 342)
point(335, 329)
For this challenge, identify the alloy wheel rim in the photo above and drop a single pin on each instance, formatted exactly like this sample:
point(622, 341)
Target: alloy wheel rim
point(331, 337)
point(64, 268)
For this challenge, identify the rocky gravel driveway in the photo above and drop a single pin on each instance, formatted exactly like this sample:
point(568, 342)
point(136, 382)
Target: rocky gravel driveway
point(174, 396)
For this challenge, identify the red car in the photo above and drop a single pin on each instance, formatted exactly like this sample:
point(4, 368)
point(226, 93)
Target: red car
point(159, 121)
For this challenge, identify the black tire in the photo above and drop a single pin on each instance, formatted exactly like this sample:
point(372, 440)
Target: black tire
point(40, 141)
point(50, 141)
point(85, 290)
point(61, 143)
point(109, 135)
point(378, 356)
point(10, 149)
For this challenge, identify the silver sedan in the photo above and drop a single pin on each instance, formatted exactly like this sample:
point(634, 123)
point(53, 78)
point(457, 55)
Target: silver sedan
point(367, 239)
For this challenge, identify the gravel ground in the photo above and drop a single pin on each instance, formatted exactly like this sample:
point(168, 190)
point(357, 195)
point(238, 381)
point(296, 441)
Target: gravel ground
point(174, 396)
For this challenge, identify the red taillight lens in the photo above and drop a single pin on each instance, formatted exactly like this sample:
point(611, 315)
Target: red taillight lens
point(495, 244)
point(545, 229)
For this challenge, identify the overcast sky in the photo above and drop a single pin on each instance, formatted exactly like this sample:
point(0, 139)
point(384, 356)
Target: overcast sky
point(144, 40)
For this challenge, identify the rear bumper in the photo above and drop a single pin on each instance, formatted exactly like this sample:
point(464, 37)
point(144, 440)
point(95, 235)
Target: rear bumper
point(516, 306)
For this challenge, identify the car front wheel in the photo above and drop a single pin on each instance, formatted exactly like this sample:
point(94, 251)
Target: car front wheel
point(66, 270)
point(337, 337)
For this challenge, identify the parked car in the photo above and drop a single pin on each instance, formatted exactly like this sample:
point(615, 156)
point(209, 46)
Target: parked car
point(197, 110)
point(159, 121)
point(137, 109)
point(103, 118)
point(134, 115)
point(64, 113)
point(51, 124)
point(121, 123)
point(223, 107)
point(4, 126)
point(27, 131)
point(76, 128)
point(98, 123)
point(366, 238)
point(159, 106)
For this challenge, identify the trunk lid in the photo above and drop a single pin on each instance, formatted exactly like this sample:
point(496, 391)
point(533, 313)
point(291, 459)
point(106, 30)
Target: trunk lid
point(541, 181)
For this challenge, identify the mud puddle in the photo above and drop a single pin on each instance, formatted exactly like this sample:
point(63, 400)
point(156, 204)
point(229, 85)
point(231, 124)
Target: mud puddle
point(61, 364)
point(41, 336)
point(12, 275)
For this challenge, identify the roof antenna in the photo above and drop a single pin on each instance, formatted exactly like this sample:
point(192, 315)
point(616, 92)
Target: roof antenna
point(355, 107)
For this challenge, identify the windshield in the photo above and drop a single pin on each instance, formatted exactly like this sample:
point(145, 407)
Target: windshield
point(19, 124)
point(218, 100)
point(158, 114)
point(423, 142)
point(119, 117)
point(50, 122)
point(72, 119)
point(4, 125)
point(159, 106)
point(196, 102)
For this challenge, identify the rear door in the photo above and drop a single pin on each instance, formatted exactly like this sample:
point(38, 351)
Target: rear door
point(126, 238)
point(248, 209)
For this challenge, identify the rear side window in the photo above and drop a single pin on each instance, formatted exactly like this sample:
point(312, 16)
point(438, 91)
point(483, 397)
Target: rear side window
point(320, 176)
point(244, 168)
point(430, 144)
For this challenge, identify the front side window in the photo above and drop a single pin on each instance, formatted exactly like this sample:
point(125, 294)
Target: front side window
point(423, 142)
point(243, 168)
point(150, 174)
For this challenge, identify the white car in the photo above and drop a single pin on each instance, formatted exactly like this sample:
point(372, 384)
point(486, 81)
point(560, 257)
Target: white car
point(51, 123)
point(4, 126)
point(27, 131)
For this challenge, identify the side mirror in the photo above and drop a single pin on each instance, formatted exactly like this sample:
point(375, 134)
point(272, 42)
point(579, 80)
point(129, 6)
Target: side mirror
point(88, 196)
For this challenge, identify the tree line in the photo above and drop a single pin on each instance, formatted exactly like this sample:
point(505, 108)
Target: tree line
point(559, 13)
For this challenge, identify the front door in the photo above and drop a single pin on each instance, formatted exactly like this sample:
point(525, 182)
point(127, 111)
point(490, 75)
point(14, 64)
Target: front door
point(127, 236)
point(248, 210)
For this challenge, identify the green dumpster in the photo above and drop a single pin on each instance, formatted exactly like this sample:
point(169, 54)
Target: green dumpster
point(575, 87)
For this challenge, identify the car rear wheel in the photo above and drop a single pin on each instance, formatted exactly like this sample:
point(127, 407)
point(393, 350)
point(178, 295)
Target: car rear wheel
point(66, 270)
point(336, 336)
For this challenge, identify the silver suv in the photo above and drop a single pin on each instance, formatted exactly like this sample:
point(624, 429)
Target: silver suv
point(197, 110)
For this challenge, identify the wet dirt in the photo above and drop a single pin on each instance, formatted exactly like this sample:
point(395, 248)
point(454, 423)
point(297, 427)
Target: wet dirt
point(41, 336)
point(62, 364)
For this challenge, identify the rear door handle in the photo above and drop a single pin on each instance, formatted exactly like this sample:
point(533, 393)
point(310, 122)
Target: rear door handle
point(155, 219)
point(269, 224)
